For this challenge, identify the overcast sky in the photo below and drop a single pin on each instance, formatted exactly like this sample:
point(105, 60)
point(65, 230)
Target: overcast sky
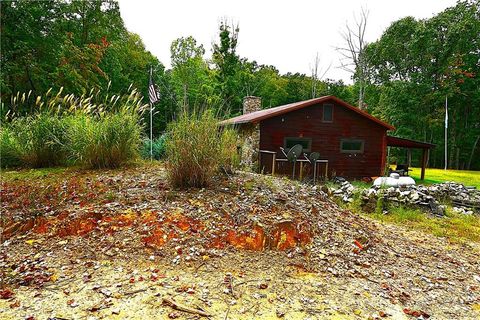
point(286, 34)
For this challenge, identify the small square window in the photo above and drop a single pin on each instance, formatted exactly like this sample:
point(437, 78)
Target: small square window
point(327, 112)
point(306, 143)
point(351, 146)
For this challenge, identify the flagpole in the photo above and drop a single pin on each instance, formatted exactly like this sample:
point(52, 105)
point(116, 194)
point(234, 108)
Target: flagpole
point(446, 132)
point(151, 124)
point(151, 132)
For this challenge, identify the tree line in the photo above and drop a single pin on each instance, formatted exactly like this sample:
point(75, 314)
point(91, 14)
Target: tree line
point(403, 77)
point(416, 67)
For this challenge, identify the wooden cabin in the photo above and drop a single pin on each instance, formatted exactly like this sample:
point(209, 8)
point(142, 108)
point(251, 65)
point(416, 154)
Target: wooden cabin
point(351, 142)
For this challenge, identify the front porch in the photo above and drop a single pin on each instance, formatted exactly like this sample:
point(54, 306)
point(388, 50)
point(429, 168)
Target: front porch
point(410, 144)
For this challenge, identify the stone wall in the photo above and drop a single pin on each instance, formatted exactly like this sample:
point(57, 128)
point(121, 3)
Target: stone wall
point(250, 135)
point(465, 200)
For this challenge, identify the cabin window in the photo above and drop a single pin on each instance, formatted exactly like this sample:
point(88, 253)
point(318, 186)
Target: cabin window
point(306, 143)
point(351, 146)
point(327, 112)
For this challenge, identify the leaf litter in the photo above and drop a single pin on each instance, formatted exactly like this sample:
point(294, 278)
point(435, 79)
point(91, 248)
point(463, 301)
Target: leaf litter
point(122, 244)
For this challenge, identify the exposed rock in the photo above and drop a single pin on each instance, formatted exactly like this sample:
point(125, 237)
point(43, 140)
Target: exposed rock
point(465, 200)
point(345, 192)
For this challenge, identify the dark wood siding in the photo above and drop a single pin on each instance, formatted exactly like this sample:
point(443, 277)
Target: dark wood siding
point(326, 139)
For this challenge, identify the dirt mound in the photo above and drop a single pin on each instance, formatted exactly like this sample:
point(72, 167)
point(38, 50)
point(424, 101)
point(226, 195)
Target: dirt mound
point(257, 218)
point(81, 218)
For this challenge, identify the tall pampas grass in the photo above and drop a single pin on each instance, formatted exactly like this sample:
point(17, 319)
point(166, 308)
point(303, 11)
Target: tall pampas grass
point(97, 130)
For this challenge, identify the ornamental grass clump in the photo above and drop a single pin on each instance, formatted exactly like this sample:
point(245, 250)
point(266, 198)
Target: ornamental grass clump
point(229, 150)
point(9, 149)
point(97, 130)
point(38, 140)
point(106, 141)
point(108, 134)
point(196, 149)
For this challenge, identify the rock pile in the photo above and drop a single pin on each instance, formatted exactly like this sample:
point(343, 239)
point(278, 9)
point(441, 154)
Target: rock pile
point(406, 195)
point(456, 191)
point(345, 192)
point(464, 200)
point(462, 210)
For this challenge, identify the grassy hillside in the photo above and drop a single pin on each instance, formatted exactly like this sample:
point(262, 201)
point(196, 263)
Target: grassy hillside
point(468, 178)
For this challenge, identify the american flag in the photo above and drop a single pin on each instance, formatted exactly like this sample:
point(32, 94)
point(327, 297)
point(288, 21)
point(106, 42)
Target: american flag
point(153, 93)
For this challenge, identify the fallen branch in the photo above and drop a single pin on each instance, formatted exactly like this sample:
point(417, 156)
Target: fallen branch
point(228, 311)
point(175, 305)
point(103, 305)
point(80, 289)
point(137, 291)
point(199, 266)
point(247, 281)
point(57, 284)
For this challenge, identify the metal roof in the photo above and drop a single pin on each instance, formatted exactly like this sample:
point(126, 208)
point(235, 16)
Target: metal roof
point(408, 143)
point(257, 116)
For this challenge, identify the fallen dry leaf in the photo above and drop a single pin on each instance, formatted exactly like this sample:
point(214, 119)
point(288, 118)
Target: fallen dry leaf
point(416, 313)
point(6, 293)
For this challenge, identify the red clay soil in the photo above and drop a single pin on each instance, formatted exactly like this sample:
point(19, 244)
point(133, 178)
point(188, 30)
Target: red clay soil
point(115, 244)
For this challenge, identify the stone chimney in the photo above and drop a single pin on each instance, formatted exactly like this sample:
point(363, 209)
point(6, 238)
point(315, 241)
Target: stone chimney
point(251, 104)
point(251, 135)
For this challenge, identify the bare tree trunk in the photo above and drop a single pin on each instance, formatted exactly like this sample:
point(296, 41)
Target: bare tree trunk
point(27, 70)
point(472, 153)
point(185, 97)
point(84, 23)
point(315, 77)
point(428, 154)
point(457, 156)
point(354, 60)
point(361, 94)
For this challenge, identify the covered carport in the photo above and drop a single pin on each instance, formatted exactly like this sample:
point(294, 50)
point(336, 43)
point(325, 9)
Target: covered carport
point(412, 144)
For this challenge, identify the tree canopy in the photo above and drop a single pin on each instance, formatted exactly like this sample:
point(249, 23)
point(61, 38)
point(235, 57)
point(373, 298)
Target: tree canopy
point(406, 74)
point(416, 66)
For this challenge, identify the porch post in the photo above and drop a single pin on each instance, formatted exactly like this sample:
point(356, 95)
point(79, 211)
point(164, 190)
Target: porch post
point(273, 163)
point(424, 163)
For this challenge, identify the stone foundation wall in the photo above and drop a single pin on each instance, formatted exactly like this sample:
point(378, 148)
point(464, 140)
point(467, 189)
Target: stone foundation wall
point(250, 134)
point(251, 142)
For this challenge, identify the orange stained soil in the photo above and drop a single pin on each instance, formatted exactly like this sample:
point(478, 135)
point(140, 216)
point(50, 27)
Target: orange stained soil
point(253, 240)
point(161, 229)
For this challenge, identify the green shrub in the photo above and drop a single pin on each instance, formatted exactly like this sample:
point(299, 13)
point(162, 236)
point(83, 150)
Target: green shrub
point(98, 130)
point(229, 154)
point(158, 148)
point(40, 140)
point(9, 150)
point(106, 141)
point(196, 149)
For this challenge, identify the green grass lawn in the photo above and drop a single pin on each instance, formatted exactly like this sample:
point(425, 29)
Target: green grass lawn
point(468, 178)
point(26, 174)
point(455, 227)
